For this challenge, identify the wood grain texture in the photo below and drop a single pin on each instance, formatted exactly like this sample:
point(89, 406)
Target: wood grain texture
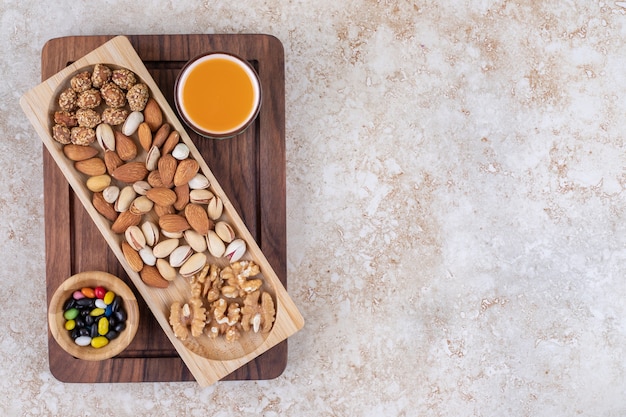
point(250, 169)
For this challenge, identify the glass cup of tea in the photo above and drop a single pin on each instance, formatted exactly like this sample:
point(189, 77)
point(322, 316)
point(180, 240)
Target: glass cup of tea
point(218, 95)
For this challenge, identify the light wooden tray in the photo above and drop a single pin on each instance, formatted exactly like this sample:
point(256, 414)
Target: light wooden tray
point(38, 104)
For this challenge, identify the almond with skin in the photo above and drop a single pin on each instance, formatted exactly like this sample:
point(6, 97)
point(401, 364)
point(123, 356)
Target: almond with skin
point(154, 179)
point(161, 135)
point(163, 210)
point(167, 168)
point(103, 207)
point(170, 142)
point(79, 153)
point(173, 223)
point(182, 196)
point(152, 115)
point(125, 146)
point(132, 257)
point(130, 172)
point(197, 218)
point(145, 136)
point(151, 276)
point(161, 196)
point(186, 170)
point(124, 221)
point(91, 166)
point(112, 161)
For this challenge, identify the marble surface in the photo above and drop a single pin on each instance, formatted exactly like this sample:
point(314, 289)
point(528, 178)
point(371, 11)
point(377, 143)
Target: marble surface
point(456, 208)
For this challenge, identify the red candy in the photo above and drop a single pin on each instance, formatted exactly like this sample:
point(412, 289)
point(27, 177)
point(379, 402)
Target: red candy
point(99, 292)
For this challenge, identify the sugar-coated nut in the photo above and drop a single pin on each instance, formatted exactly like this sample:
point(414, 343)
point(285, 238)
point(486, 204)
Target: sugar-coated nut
point(89, 99)
point(124, 78)
point(137, 97)
point(114, 117)
point(112, 95)
point(83, 136)
point(87, 118)
point(81, 82)
point(101, 74)
point(61, 134)
point(68, 99)
point(65, 118)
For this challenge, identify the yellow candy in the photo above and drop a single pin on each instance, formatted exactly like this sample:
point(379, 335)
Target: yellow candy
point(108, 297)
point(70, 324)
point(96, 312)
point(103, 326)
point(99, 341)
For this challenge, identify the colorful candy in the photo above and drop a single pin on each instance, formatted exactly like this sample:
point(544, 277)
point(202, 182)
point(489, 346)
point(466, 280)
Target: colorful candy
point(94, 316)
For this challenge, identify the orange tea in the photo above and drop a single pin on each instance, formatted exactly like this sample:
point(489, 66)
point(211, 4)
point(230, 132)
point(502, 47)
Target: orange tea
point(218, 95)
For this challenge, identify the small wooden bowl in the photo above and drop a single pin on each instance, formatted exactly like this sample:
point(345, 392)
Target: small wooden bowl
point(92, 279)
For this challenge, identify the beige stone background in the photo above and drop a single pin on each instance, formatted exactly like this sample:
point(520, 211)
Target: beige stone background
point(455, 190)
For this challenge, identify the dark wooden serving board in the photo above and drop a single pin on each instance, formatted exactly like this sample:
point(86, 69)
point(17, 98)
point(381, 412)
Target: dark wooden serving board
point(250, 169)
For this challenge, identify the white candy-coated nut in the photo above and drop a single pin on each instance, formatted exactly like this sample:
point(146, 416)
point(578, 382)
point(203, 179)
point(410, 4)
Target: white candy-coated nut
point(132, 122)
point(180, 151)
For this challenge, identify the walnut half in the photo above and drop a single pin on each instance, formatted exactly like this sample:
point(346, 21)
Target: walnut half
point(259, 316)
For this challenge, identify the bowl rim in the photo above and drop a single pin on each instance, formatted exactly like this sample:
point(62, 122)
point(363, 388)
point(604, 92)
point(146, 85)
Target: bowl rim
point(198, 129)
point(92, 279)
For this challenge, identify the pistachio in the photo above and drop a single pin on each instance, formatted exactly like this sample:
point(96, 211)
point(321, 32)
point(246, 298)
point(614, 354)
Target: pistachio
point(141, 205)
point(225, 231)
point(202, 196)
point(215, 245)
point(151, 232)
point(135, 238)
point(147, 256)
point(111, 193)
point(105, 137)
point(141, 187)
point(193, 265)
point(180, 151)
point(165, 269)
point(126, 197)
point(235, 250)
point(152, 159)
point(165, 248)
point(199, 182)
point(215, 208)
point(172, 235)
point(132, 122)
point(195, 240)
point(180, 255)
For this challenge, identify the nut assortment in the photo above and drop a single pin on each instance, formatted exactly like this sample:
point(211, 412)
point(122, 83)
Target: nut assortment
point(147, 185)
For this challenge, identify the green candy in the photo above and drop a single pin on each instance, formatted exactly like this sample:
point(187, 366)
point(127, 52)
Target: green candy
point(70, 314)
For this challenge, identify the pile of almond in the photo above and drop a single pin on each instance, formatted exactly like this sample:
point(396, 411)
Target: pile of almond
point(142, 177)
